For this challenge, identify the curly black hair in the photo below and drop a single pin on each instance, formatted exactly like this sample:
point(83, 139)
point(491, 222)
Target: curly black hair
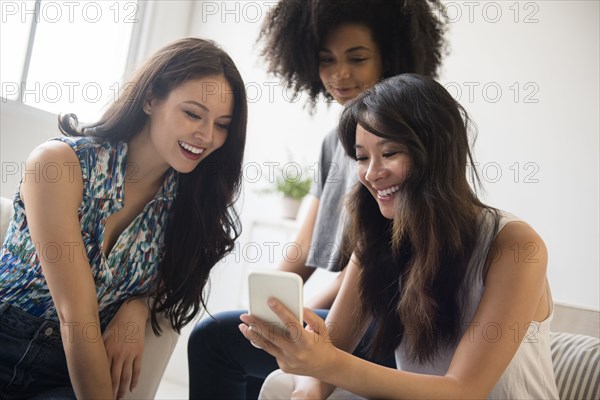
point(409, 33)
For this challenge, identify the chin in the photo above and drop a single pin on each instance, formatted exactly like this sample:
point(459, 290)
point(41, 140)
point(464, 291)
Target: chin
point(184, 169)
point(388, 214)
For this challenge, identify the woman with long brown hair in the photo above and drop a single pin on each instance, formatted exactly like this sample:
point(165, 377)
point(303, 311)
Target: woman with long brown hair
point(456, 288)
point(130, 225)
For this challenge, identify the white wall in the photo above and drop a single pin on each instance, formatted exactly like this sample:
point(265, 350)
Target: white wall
point(554, 140)
point(22, 128)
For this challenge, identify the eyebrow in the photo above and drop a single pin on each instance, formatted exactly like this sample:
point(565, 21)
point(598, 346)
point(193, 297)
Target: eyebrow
point(379, 143)
point(202, 106)
point(350, 50)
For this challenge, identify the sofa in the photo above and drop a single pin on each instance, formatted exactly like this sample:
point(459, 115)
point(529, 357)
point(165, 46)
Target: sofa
point(575, 347)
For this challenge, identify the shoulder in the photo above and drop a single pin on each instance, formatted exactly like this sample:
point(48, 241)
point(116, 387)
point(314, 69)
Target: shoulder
point(88, 147)
point(332, 150)
point(101, 164)
point(52, 172)
point(77, 150)
point(518, 250)
point(73, 162)
point(516, 233)
point(50, 153)
point(332, 139)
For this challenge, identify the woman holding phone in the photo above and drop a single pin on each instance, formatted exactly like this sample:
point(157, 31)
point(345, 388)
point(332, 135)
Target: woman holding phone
point(434, 268)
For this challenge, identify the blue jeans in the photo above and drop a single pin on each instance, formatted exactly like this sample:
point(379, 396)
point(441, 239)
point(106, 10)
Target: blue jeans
point(32, 359)
point(224, 365)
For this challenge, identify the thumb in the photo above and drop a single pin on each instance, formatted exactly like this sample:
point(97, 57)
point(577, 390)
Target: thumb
point(314, 323)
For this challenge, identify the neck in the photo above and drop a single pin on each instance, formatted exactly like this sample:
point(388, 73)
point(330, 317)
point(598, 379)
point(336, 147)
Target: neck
point(144, 167)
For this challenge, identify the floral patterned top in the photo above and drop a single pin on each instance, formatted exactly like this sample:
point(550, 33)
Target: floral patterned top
point(131, 267)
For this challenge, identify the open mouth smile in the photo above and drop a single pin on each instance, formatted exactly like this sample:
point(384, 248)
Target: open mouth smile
point(189, 151)
point(387, 194)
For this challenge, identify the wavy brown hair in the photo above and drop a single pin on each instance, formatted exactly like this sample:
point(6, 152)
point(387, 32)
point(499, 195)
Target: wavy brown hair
point(203, 224)
point(413, 268)
point(409, 33)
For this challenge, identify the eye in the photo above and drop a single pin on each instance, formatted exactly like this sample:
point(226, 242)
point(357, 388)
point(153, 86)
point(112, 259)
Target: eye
point(222, 126)
point(361, 158)
point(388, 154)
point(192, 115)
point(326, 59)
point(358, 60)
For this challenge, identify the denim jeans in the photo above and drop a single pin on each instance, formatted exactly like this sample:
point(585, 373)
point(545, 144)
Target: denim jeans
point(224, 365)
point(32, 359)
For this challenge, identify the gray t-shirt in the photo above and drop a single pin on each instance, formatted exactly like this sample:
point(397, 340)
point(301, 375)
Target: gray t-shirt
point(336, 176)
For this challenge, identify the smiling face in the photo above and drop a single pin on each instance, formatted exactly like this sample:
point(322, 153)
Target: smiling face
point(382, 166)
point(349, 62)
point(191, 122)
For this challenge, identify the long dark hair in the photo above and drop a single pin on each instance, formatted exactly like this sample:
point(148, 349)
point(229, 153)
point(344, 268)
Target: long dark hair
point(409, 34)
point(203, 225)
point(413, 267)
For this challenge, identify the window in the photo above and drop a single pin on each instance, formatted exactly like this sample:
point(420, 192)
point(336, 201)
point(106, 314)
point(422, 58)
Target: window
point(65, 56)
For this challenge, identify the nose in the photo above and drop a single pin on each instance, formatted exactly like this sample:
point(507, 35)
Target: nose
point(375, 171)
point(205, 132)
point(342, 71)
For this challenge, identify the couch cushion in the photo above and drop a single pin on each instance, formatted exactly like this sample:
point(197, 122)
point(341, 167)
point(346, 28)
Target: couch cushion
point(576, 360)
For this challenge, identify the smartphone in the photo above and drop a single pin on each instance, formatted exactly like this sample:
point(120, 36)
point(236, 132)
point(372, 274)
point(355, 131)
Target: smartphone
point(284, 286)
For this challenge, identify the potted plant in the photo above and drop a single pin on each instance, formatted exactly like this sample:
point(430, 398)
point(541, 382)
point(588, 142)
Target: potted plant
point(293, 190)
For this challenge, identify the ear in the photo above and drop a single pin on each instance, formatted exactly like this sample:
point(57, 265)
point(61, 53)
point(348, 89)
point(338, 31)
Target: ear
point(149, 102)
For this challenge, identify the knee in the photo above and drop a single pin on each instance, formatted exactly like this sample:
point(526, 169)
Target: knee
point(211, 332)
point(204, 331)
point(278, 385)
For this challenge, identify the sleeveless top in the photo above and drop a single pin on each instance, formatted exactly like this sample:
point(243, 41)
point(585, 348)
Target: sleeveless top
point(530, 374)
point(131, 267)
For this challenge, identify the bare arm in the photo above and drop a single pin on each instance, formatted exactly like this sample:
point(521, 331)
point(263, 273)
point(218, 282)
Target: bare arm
point(303, 239)
point(323, 299)
point(51, 208)
point(515, 294)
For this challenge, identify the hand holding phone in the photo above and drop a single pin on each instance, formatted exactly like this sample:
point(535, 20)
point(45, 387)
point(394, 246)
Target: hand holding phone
point(284, 286)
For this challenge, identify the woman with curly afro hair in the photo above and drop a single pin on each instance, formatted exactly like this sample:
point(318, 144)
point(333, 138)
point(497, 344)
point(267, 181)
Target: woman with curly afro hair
point(332, 51)
point(408, 34)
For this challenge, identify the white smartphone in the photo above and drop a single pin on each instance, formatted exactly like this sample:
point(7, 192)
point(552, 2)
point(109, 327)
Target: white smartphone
point(284, 286)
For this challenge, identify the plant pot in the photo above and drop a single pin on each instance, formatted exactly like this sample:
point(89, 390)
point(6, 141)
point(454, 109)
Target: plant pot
point(290, 207)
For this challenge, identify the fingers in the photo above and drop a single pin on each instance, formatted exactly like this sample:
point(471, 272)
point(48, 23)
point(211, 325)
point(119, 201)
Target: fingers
point(124, 375)
point(284, 314)
point(137, 368)
point(125, 380)
point(115, 374)
point(315, 323)
point(257, 339)
point(271, 337)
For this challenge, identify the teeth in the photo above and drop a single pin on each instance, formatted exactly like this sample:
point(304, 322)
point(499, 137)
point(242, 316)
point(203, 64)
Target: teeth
point(192, 149)
point(388, 191)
